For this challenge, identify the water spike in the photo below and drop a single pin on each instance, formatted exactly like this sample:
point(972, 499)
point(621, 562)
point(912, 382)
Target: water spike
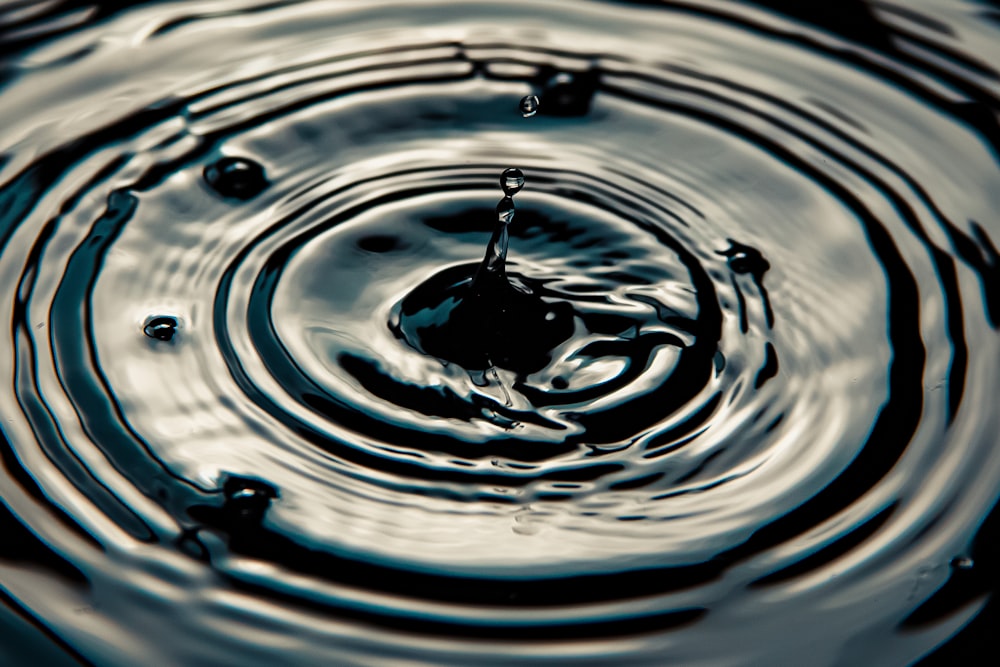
point(505, 211)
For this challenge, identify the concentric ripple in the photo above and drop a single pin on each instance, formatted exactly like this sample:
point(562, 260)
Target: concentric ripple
point(754, 424)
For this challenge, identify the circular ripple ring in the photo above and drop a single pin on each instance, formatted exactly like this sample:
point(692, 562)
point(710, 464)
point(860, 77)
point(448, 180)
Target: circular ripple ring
point(761, 430)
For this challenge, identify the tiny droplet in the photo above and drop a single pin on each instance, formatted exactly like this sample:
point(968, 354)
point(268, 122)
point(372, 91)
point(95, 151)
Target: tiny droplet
point(236, 177)
point(744, 259)
point(248, 499)
point(160, 327)
point(962, 563)
point(529, 105)
point(511, 181)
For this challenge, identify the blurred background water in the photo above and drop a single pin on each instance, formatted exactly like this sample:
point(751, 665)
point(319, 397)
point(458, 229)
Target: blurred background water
point(737, 406)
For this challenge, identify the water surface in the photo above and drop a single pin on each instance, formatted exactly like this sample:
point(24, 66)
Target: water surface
point(729, 402)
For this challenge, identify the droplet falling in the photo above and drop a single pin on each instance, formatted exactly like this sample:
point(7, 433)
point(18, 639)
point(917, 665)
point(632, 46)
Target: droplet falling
point(161, 327)
point(511, 181)
point(529, 105)
point(490, 322)
point(236, 177)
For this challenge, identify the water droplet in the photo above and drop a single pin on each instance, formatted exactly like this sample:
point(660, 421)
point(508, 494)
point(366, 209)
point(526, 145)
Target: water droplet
point(248, 499)
point(962, 563)
point(511, 181)
point(161, 327)
point(505, 210)
point(236, 177)
point(743, 262)
point(745, 259)
point(529, 105)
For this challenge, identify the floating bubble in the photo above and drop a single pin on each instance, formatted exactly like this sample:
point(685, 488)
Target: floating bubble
point(247, 500)
point(511, 181)
point(529, 105)
point(745, 259)
point(236, 177)
point(161, 327)
point(747, 262)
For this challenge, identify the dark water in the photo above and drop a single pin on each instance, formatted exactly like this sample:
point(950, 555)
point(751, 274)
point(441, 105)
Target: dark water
point(731, 400)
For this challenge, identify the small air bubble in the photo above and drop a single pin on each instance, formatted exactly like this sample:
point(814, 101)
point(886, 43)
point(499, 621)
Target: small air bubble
point(529, 105)
point(741, 262)
point(505, 210)
point(236, 177)
point(160, 327)
point(248, 500)
point(747, 260)
point(249, 504)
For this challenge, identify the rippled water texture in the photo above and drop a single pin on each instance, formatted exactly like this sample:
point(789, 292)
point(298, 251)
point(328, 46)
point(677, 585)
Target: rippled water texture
point(732, 400)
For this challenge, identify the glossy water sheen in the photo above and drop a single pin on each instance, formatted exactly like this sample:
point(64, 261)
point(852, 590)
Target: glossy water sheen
point(731, 400)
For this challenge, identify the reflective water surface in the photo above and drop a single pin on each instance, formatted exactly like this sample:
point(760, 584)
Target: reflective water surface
point(729, 400)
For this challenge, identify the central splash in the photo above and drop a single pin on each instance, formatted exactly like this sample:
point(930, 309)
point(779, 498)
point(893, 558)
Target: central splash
point(487, 320)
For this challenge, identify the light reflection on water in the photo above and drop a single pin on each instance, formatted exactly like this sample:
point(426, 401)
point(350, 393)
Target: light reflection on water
point(743, 417)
